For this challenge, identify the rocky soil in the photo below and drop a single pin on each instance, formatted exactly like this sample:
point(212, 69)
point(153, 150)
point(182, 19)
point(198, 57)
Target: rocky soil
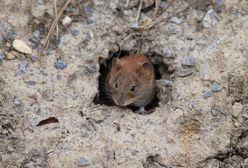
point(50, 112)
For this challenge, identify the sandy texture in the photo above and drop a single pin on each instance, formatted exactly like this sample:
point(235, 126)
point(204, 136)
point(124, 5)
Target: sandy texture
point(203, 123)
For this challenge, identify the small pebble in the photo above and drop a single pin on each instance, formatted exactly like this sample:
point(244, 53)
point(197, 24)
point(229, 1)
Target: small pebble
point(66, 21)
point(75, 32)
point(12, 55)
point(35, 152)
point(31, 82)
point(34, 58)
point(40, 2)
point(2, 56)
point(17, 101)
point(184, 72)
point(157, 165)
point(134, 152)
point(59, 77)
point(36, 34)
point(168, 53)
point(23, 67)
point(218, 5)
point(236, 109)
point(188, 61)
point(204, 71)
point(210, 19)
point(164, 83)
point(11, 34)
point(92, 69)
point(60, 65)
point(216, 87)
point(215, 111)
point(22, 47)
point(88, 10)
point(89, 21)
point(176, 20)
point(10, 148)
point(83, 162)
point(207, 94)
point(70, 9)
point(1, 41)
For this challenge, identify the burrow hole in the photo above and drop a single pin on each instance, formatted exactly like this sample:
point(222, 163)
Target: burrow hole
point(162, 69)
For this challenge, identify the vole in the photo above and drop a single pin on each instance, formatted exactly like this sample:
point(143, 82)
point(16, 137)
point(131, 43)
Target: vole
point(131, 81)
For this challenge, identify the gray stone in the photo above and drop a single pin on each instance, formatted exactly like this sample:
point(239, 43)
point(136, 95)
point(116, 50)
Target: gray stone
point(34, 58)
point(210, 19)
point(168, 53)
point(236, 109)
point(216, 87)
point(2, 56)
point(134, 152)
point(184, 72)
point(218, 5)
point(215, 111)
point(9, 148)
point(188, 61)
point(31, 82)
point(60, 65)
point(11, 34)
point(17, 102)
point(70, 9)
point(88, 10)
point(83, 162)
point(23, 67)
point(59, 77)
point(204, 71)
point(40, 2)
point(75, 32)
point(176, 20)
point(36, 33)
point(35, 152)
point(1, 41)
point(164, 83)
point(207, 94)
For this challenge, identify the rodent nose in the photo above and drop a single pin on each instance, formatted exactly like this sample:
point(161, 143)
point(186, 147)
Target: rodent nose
point(119, 101)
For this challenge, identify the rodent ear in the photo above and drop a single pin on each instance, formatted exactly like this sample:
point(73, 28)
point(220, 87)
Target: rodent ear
point(145, 70)
point(146, 66)
point(116, 62)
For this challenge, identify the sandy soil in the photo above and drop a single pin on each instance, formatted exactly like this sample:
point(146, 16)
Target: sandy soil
point(202, 114)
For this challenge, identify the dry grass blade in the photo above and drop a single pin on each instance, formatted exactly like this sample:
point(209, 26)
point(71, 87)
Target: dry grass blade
point(161, 12)
point(47, 40)
point(164, 20)
point(56, 15)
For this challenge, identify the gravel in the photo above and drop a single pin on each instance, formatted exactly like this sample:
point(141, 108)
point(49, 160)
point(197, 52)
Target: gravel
point(60, 65)
point(207, 94)
point(2, 56)
point(31, 82)
point(210, 19)
point(83, 162)
point(23, 67)
point(216, 87)
point(176, 20)
point(188, 61)
point(34, 58)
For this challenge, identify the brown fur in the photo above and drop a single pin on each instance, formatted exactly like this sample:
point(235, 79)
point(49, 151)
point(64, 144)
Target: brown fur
point(127, 72)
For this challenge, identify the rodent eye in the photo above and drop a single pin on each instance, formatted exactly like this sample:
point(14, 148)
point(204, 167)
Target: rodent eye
point(133, 88)
point(116, 85)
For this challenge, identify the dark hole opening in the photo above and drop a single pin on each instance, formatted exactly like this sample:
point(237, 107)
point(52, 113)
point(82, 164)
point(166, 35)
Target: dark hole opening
point(103, 99)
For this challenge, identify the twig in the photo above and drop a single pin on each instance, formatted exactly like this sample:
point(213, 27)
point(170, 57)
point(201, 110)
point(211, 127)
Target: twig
point(170, 3)
point(47, 40)
point(56, 15)
point(139, 10)
point(164, 20)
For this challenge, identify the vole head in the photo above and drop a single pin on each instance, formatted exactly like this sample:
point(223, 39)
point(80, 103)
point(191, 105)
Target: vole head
point(128, 81)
